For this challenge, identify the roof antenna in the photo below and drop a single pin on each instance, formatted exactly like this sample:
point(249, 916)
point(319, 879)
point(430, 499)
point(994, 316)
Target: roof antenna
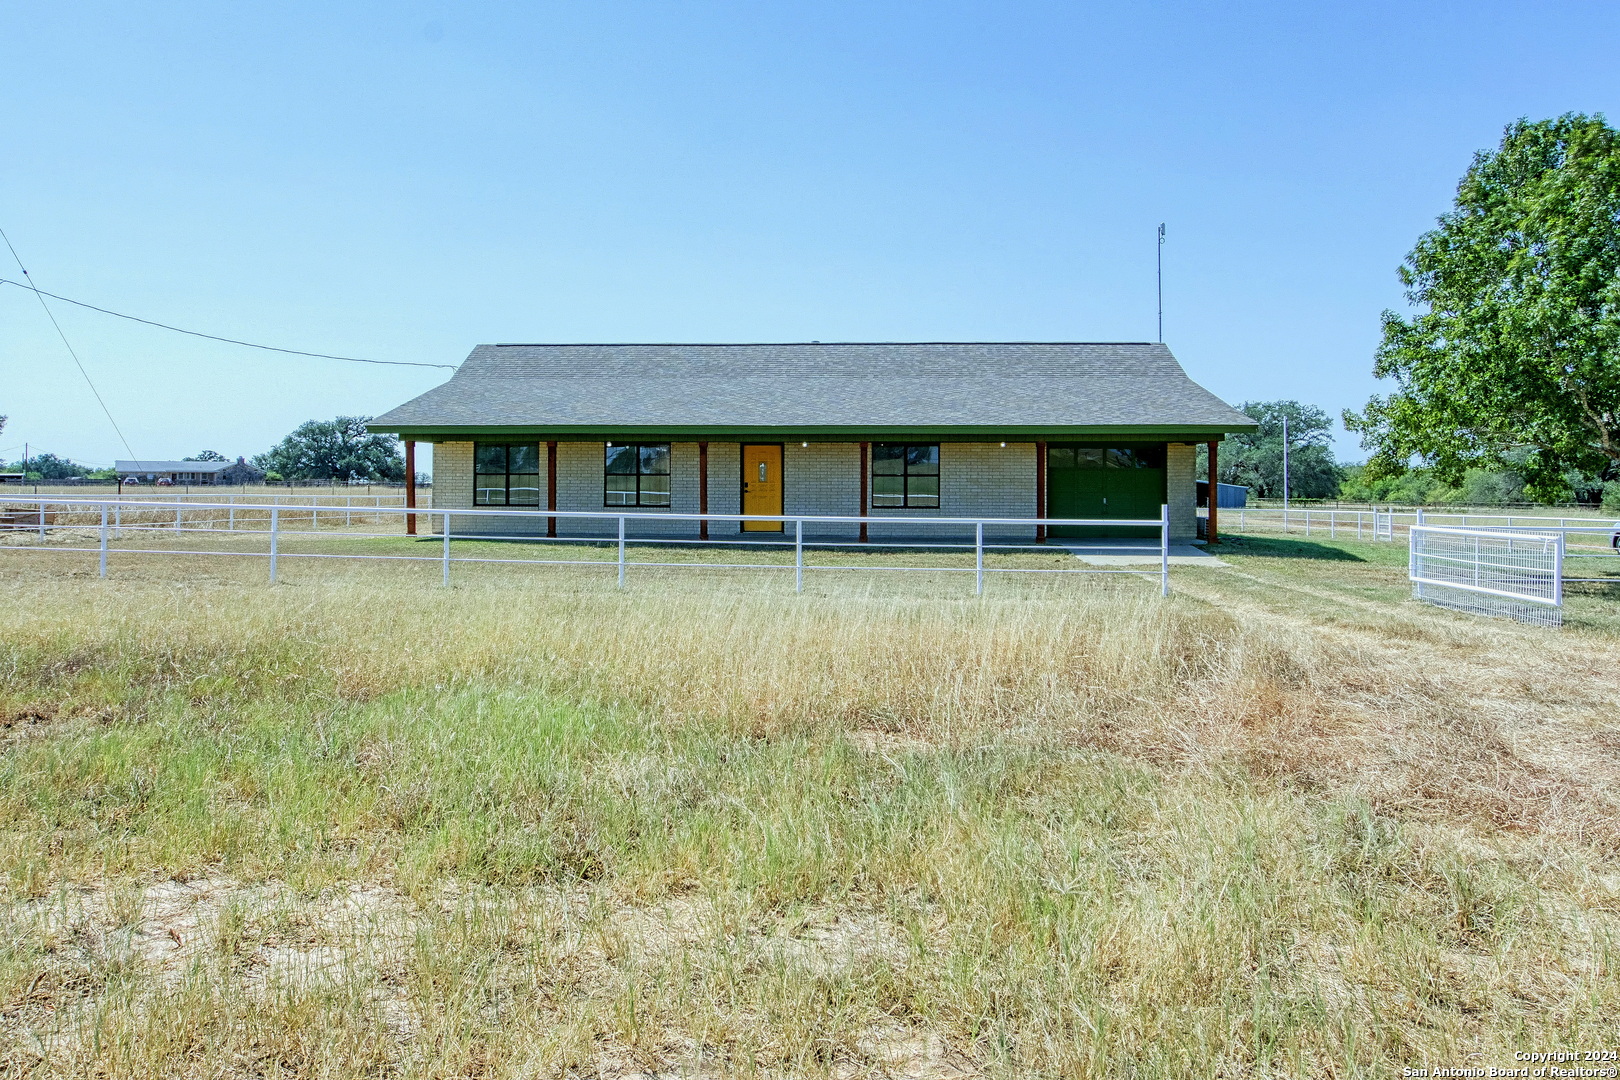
point(1161, 283)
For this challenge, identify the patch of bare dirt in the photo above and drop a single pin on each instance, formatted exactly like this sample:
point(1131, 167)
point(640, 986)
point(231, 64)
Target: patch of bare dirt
point(268, 939)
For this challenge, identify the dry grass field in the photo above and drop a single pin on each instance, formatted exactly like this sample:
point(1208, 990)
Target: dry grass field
point(1285, 823)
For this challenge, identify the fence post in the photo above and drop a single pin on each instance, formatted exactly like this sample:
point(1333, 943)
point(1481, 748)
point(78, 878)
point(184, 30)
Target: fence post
point(1164, 550)
point(118, 521)
point(1558, 570)
point(798, 556)
point(444, 527)
point(621, 551)
point(103, 539)
point(978, 558)
point(230, 524)
point(41, 518)
point(1333, 524)
point(275, 532)
point(179, 508)
point(348, 510)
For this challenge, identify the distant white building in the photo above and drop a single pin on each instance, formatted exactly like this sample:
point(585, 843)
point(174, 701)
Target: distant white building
point(189, 472)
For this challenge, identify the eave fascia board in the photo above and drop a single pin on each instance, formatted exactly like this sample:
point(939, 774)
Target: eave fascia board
point(728, 433)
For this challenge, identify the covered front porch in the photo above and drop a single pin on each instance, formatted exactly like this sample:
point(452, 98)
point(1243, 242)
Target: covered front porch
point(902, 487)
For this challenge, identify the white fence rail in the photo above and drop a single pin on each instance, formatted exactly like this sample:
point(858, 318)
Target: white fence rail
point(1378, 524)
point(1519, 575)
point(1585, 537)
point(99, 525)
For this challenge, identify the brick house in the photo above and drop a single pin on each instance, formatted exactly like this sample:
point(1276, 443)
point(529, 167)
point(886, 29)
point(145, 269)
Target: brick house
point(237, 472)
point(175, 472)
point(872, 430)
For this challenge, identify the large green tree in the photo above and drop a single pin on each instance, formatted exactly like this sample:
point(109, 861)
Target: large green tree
point(49, 467)
point(1255, 458)
point(1513, 350)
point(340, 449)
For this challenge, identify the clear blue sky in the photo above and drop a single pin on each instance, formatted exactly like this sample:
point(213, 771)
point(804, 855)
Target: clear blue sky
point(404, 180)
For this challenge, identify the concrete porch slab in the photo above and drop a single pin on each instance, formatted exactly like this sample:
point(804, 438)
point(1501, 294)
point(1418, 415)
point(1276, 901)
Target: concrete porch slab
point(1105, 551)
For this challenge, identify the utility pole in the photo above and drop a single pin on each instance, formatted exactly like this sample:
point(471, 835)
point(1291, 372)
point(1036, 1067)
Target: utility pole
point(1285, 461)
point(1161, 283)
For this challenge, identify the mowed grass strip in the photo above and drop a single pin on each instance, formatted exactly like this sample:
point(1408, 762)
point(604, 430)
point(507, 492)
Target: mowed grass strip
point(364, 826)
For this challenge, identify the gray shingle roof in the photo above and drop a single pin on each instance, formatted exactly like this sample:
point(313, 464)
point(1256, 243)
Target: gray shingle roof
point(807, 386)
point(171, 466)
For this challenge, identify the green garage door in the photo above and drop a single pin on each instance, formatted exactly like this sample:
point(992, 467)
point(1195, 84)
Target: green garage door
point(1104, 482)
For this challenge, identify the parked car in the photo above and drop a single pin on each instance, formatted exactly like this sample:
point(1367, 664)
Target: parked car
point(164, 481)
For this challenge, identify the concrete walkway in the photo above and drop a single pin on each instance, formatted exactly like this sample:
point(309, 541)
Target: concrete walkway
point(1122, 552)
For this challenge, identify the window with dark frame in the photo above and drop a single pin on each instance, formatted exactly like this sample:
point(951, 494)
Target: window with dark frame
point(506, 474)
point(1097, 457)
point(637, 474)
point(905, 474)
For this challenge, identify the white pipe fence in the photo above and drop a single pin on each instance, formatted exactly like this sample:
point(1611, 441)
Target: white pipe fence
point(148, 493)
point(1591, 537)
point(109, 521)
point(1385, 524)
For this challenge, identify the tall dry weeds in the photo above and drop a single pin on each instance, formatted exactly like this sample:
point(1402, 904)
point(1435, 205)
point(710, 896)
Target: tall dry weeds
point(1066, 830)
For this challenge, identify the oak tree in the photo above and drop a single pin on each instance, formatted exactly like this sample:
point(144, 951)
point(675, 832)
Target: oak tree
point(1514, 344)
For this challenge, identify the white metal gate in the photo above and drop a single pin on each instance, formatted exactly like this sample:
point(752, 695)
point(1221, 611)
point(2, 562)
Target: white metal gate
point(1517, 575)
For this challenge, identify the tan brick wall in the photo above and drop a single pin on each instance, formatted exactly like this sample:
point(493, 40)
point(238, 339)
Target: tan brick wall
point(823, 480)
point(581, 469)
point(1181, 495)
point(976, 480)
point(453, 488)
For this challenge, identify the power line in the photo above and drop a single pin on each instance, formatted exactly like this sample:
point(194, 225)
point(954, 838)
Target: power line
point(76, 459)
point(51, 315)
point(215, 337)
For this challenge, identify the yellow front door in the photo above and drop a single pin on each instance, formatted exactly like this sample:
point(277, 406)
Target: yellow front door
point(762, 486)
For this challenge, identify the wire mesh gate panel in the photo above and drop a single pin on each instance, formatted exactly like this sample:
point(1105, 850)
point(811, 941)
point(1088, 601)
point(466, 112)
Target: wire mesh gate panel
point(1506, 574)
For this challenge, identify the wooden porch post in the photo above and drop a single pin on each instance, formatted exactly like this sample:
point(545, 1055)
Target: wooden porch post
point(865, 449)
point(551, 487)
point(703, 489)
point(1211, 531)
point(1040, 490)
point(410, 486)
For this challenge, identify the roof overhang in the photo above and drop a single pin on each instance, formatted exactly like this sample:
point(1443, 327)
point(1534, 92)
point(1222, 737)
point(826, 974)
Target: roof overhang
point(690, 433)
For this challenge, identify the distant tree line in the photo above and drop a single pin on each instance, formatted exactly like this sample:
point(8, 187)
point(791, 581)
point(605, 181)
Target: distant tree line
point(340, 450)
point(1255, 460)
